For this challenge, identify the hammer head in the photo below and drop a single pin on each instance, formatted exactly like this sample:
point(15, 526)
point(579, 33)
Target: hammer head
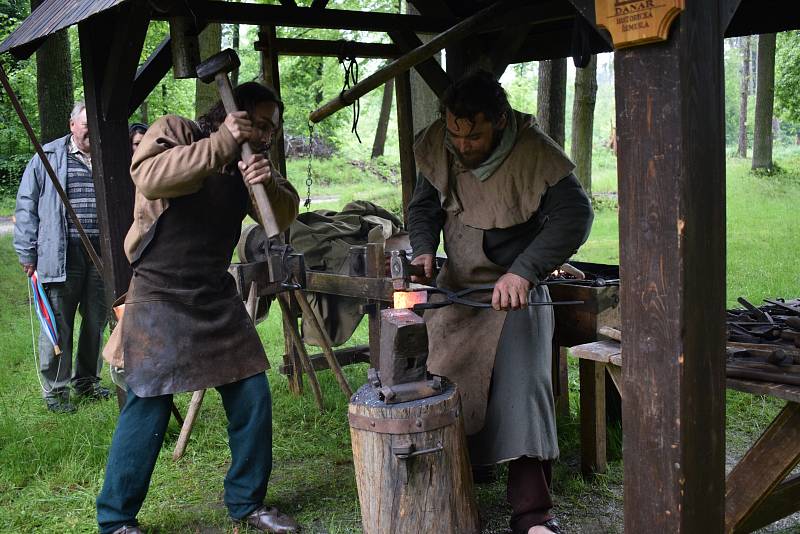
point(224, 61)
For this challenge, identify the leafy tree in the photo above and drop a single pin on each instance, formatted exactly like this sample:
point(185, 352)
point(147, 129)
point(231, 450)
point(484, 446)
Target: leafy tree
point(787, 77)
point(765, 92)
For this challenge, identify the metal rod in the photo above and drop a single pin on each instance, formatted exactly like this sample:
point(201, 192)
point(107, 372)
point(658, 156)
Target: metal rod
point(51, 173)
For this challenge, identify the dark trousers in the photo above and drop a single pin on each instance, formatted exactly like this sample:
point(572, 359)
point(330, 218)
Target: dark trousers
point(140, 435)
point(528, 492)
point(83, 292)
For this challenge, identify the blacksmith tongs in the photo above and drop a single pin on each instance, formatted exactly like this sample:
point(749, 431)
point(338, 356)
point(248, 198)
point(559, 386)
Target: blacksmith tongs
point(459, 297)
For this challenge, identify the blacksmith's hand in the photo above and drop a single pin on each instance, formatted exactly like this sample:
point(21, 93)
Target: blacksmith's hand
point(510, 292)
point(426, 260)
point(239, 125)
point(256, 170)
point(29, 268)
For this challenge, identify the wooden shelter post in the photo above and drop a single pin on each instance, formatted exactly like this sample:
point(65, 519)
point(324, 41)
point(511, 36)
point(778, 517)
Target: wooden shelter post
point(671, 168)
point(271, 74)
point(110, 46)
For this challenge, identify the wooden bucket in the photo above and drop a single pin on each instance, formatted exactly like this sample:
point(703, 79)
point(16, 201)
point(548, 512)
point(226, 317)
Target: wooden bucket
point(412, 466)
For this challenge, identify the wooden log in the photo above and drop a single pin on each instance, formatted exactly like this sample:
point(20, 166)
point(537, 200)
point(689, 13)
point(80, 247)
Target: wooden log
point(405, 135)
point(376, 268)
point(350, 355)
point(188, 424)
point(459, 31)
point(430, 491)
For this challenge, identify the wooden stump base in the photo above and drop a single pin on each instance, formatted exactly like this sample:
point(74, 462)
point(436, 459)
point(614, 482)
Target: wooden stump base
point(412, 466)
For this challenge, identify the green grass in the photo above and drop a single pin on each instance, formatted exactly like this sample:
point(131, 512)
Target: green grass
point(52, 466)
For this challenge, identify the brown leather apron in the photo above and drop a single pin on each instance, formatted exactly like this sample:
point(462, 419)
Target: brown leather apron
point(462, 341)
point(185, 325)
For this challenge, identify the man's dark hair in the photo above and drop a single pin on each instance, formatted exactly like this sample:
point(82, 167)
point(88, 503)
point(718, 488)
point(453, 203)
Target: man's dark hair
point(136, 128)
point(477, 92)
point(248, 95)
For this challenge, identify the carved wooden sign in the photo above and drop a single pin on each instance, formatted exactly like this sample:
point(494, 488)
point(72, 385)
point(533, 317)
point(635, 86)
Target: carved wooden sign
point(636, 22)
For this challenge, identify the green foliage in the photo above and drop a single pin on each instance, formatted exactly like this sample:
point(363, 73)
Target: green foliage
point(787, 76)
point(11, 169)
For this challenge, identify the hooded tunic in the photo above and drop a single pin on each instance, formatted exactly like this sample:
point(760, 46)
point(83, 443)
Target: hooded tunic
point(526, 215)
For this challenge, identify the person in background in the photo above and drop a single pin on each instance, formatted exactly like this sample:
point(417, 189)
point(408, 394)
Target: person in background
point(47, 242)
point(136, 132)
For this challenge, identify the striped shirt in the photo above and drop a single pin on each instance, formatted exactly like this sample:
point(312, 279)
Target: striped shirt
point(80, 191)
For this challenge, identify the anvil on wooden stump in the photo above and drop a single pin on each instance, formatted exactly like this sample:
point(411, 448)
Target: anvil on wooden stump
point(403, 376)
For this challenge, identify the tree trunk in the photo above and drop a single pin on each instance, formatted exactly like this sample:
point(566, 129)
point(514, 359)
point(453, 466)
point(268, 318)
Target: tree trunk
point(765, 95)
point(743, 94)
point(205, 94)
point(552, 98)
point(143, 113)
point(383, 120)
point(583, 122)
point(54, 84)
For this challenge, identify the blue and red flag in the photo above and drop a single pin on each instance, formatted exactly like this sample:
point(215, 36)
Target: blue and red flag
point(45, 312)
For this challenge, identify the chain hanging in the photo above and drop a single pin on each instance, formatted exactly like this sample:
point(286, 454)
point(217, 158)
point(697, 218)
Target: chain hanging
point(309, 171)
point(350, 66)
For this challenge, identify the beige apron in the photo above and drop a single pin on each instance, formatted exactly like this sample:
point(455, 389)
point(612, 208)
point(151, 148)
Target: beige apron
point(462, 341)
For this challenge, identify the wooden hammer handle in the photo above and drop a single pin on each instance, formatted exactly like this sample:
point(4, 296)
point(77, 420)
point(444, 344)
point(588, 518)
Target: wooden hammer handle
point(258, 191)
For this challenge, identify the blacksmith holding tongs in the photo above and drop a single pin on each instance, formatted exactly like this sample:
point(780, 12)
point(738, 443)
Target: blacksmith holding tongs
point(511, 211)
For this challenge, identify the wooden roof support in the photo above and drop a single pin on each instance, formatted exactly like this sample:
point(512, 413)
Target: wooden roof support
point(150, 74)
point(671, 170)
point(319, 47)
point(303, 17)
point(429, 70)
point(319, 4)
point(427, 50)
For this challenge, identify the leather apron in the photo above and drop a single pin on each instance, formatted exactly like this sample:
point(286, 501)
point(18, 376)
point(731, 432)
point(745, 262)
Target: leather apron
point(462, 341)
point(186, 327)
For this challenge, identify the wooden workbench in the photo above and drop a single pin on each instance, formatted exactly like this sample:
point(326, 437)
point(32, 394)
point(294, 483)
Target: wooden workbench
point(757, 491)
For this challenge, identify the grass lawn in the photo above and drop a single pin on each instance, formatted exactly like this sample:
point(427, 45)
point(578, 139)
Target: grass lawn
point(52, 465)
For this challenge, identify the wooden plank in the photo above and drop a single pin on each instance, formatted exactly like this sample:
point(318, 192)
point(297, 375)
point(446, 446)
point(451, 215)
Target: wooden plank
point(593, 417)
point(405, 135)
point(350, 286)
point(342, 19)
point(783, 501)
point(598, 351)
point(764, 466)
point(561, 380)
point(357, 354)
point(429, 70)
point(671, 172)
point(762, 16)
point(271, 74)
point(615, 372)
point(341, 48)
point(110, 146)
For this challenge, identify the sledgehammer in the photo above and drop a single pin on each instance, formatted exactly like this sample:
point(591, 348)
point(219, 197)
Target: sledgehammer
point(216, 68)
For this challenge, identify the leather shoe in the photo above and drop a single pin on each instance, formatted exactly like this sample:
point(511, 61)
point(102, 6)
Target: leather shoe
point(269, 519)
point(60, 405)
point(93, 392)
point(128, 530)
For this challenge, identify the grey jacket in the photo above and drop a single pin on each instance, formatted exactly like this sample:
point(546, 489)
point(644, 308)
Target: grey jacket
point(40, 231)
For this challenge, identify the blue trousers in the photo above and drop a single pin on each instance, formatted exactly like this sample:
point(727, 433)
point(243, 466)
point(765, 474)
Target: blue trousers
point(140, 435)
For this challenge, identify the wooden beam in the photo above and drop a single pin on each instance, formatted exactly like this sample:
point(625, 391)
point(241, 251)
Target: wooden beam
point(763, 467)
point(350, 286)
point(429, 70)
point(342, 48)
point(505, 48)
point(781, 502)
point(671, 172)
point(262, 14)
point(457, 33)
point(150, 74)
point(126, 47)
point(762, 16)
point(271, 75)
point(357, 354)
point(405, 134)
point(111, 153)
point(319, 4)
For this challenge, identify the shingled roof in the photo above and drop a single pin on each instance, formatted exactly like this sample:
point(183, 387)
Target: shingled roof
point(50, 17)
